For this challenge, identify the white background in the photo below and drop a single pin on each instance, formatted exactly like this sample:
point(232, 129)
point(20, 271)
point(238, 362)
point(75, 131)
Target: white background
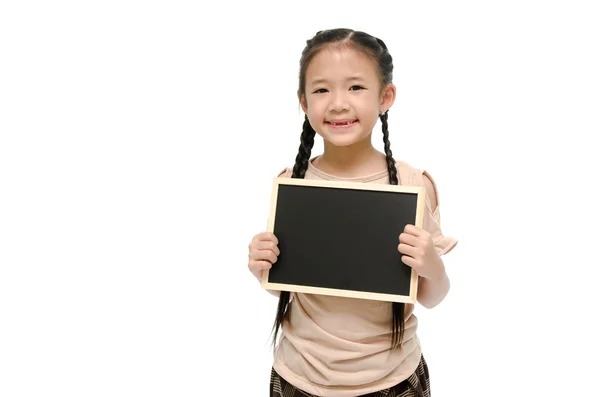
point(138, 144)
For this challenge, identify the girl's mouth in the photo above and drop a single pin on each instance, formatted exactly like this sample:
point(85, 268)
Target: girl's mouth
point(341, 124)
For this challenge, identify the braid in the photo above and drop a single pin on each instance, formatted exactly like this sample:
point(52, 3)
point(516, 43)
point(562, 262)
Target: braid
point(397, 307)
point(391, 163)
point(307, 139)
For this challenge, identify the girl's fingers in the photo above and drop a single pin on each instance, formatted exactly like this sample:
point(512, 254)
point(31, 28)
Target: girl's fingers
point(268, 246)
point(257, 266)
point(408, 239)
point(410, 261)
point(263, 252)
point(266, 255)
point(265, 236)
point(412, 230)
point(407, 249)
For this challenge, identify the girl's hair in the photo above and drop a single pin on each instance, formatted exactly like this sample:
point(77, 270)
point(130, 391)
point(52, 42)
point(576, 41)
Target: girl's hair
point(376, 50)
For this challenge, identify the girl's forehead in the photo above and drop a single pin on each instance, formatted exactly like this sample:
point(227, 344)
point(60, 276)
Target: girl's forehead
point(333, 63)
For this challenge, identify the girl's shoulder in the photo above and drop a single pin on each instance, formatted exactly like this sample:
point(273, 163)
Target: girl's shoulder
point(408, 174)
point(413, 176)
point(285, 173)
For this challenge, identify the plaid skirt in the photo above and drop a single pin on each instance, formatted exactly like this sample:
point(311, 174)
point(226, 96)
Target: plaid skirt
point(417, 385)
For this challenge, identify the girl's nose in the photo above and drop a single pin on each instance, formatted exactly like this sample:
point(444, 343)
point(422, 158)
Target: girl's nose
point(339, 103)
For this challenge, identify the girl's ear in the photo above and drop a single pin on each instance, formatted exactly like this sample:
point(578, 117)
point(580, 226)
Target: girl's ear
point(302, 100)
point(388, 96)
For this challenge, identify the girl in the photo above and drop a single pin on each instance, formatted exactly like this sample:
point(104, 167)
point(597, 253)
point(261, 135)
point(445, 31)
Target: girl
point(342, 347)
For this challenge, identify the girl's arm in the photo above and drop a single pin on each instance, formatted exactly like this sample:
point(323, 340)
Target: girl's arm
point(434, 283)
point(432, 291)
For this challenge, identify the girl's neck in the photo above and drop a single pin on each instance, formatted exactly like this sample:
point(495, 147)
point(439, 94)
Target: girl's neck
point(351, 161)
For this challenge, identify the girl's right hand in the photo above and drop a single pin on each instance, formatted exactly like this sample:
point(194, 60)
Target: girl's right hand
point(263, 253)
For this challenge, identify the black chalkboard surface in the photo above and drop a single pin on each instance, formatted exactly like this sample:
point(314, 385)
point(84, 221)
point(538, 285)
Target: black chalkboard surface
point(341, 238)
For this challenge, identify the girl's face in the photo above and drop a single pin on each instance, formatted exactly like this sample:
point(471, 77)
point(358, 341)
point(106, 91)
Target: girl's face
point(343, 96)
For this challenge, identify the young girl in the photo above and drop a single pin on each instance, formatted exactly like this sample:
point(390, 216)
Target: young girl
point(342, 347)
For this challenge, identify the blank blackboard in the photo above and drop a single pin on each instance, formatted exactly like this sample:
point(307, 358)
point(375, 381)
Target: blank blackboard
point(341, 238)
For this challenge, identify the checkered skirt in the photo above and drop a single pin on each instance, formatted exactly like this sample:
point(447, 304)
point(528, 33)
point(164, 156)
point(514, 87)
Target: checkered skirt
point(417, 385)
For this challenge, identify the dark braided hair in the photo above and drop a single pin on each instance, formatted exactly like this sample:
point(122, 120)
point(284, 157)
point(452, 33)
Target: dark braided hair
point(377, 50)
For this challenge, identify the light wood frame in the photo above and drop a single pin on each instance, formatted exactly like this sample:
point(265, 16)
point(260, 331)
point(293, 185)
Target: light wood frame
point(417, 190)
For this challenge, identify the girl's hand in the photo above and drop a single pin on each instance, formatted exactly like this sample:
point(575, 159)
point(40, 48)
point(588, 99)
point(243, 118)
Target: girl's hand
point(262, 253)
point(419, 253)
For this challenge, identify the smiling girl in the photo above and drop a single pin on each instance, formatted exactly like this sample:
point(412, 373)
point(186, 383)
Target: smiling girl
point(346, 347)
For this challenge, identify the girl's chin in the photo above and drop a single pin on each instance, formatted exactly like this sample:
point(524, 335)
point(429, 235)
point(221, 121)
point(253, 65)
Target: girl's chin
point(339, 140)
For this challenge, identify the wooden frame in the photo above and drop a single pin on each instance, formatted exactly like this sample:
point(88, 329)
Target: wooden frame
point(414, 194)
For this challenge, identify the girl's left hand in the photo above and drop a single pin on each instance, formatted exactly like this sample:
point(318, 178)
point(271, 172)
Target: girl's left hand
point(419, 252)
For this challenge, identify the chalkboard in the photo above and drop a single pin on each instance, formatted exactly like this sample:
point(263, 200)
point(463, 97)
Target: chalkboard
point(341, 238)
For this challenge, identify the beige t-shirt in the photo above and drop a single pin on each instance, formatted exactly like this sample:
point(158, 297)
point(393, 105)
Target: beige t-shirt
point(340, 347)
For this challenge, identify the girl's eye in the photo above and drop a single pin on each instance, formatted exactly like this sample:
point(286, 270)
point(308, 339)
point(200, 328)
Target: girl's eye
point(353, 88)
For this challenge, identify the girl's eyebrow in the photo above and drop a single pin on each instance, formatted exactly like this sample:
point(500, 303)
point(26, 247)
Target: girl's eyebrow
point(353, 78)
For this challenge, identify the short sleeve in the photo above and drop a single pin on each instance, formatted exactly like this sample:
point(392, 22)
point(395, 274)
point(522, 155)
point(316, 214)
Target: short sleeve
point(431, 220)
